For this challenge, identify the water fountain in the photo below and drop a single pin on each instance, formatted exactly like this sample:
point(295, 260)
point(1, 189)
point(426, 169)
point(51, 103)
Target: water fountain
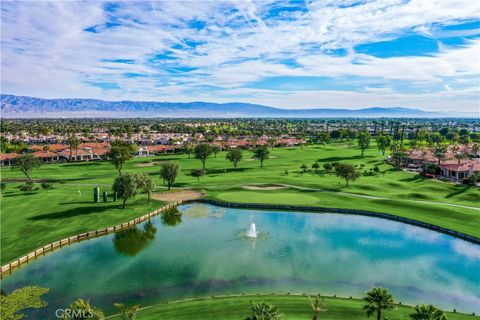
point(252, 232)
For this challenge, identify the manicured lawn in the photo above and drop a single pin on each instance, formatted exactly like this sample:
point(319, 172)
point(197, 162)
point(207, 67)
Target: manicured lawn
point(292, 308)
point(30, 221)
point(34, 219)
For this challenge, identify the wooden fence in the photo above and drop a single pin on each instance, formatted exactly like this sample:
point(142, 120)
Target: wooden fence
point(33, 255)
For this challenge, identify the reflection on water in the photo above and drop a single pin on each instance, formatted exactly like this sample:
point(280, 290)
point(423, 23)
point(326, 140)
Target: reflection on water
point(198, 210)
point(172, 217)
point(133, 240)
point(207, 253)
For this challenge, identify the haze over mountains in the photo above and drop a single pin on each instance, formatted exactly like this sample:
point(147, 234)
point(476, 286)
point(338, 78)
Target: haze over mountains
point(29, 107)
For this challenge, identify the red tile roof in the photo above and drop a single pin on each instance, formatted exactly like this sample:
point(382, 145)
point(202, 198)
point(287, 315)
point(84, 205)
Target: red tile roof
point(8, 156)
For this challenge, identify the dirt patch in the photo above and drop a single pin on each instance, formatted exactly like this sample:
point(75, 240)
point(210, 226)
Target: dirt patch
point(264, 187)
point(177, 195)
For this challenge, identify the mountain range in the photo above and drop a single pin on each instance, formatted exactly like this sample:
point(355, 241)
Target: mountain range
point(29, 107)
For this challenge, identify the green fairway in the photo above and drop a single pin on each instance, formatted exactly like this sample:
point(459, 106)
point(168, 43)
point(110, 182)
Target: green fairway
point(292, 308)
point(33, 219)
point(30, 221)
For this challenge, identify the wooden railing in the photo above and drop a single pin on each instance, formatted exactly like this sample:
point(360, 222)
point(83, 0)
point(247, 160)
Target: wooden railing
point(33, 255)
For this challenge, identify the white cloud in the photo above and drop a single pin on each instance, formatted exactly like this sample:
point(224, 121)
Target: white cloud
point(47, 53)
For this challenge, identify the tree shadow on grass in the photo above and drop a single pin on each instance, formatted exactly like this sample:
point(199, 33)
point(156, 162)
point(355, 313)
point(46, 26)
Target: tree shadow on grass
point(73, 212)
point(461, 189)
point(415, 178)
point(338, 159)
point(80, 164)
point(227, 170)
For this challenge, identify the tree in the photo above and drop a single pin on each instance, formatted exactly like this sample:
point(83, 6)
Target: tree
point(328, 167)
point(398, 158)
point(82, 310)
point(145, 182)
point(26, 163)
point(378, 299)
point(304, 168)
point(428, 312)
point(3, 185)
point(383, 143)
point(197, 173)
point(20, 299)
point(347, 172)
point(318, 305)
point(118, 155)
point(363, 140)
point(315, 166)
point(234, 156)
point(169, 172)
point(261, 153)
point(73, 143)
point(202, 152)
point(264, 311)
point(440, 153)
point(126, 312)
point(126, 186)
point(188, 148)
point(475, 149)
point(459, 156)
point(216, 149)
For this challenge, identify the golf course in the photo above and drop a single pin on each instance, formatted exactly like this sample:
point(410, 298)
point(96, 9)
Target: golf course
point(41, 216)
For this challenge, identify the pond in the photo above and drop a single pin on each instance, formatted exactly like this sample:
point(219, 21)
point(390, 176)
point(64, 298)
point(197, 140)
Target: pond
point(205, 251)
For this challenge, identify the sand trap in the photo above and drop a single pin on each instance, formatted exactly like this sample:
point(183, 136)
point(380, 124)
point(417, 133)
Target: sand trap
point(264, 187)
point(148, 164)
point(177, 195)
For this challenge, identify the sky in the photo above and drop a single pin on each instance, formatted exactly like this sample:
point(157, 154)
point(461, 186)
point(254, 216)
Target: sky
point(289, 54)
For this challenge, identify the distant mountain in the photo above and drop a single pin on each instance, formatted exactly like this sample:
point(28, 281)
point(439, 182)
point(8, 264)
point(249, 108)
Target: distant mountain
point(29, 107)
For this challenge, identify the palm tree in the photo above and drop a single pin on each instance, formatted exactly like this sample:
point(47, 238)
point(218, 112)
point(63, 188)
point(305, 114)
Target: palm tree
point(84, 310)
point(264, 311)
point(318, 305)
point(378, 299)
point(126, 312)
point(428, 312)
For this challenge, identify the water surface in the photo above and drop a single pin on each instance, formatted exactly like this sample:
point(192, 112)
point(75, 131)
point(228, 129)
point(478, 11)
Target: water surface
point(205, 252)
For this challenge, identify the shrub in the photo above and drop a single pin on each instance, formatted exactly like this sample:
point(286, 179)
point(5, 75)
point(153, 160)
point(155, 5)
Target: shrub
point(46, 186)
point(3, 185)
point(28, 186)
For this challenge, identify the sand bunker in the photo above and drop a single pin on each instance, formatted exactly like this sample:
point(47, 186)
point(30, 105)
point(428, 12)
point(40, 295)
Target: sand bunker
point(177, 195)
point(264, 187)
point(147, 164)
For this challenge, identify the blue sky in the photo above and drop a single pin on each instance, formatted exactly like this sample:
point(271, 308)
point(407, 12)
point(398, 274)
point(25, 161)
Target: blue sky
point(288, 54)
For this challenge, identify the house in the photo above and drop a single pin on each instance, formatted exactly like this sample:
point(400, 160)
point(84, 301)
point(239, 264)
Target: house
point(6, 158)
point(143, 152)
point(460, 171)
point(47, 156)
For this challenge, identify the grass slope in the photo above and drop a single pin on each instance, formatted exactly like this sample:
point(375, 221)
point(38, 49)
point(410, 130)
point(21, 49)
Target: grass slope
point(33, 220)
point(292, 308)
